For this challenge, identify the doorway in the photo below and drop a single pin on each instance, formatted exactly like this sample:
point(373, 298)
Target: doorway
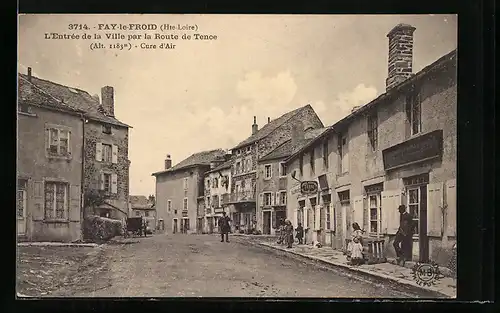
point(185, 225)
point(21, 206)
point(417, 207)
point(175, 227)
point(210, 222)
point(266, 227)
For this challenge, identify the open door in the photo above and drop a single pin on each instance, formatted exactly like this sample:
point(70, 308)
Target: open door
point(267, 222)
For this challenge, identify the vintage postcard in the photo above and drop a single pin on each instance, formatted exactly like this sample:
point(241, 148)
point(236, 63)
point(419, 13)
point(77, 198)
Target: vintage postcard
point(213, 155)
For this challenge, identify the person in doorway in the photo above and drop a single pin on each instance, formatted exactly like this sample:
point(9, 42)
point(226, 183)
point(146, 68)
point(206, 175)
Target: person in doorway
point(288, 234)
point(403, 242)
point(225, 227)
point(300, 233)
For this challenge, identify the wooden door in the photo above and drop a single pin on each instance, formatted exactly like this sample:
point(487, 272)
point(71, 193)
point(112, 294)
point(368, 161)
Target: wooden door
point(266, 229)
point(175, 230)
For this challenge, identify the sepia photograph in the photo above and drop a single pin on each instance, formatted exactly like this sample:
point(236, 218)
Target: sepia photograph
point(236, 155)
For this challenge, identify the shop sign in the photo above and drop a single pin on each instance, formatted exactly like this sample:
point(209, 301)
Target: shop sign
point(309, 187)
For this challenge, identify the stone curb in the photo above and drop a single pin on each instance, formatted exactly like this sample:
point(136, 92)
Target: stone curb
point(57, 244)
point(361, 270)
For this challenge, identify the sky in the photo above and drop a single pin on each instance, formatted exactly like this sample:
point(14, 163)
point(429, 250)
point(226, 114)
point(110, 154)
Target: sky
point(203, 94)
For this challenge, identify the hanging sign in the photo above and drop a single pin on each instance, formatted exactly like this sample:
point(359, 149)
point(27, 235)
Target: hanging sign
point(309, 187)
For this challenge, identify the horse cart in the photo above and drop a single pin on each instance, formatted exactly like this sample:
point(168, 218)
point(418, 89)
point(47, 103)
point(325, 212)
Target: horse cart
point(136, 226)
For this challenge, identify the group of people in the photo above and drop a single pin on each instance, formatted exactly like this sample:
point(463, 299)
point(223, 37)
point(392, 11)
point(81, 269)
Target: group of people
point(285, 230)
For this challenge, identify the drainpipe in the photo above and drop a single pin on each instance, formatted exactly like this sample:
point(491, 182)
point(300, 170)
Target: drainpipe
point(82, 191)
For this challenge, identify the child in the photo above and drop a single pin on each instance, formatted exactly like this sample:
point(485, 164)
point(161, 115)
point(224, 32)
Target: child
point(288, 233)
point(356, 252)
point(300, 233)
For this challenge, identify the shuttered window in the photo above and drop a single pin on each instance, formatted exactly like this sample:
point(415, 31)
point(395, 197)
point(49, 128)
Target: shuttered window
point(56, 200)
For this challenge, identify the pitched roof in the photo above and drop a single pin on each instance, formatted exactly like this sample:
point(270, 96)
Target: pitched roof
point(287, 148)
point(140, 202)
point(35, 96)
point(70, 97)
point(222, 166)
point(197, 159)
point(443, 62)
point(270, 127)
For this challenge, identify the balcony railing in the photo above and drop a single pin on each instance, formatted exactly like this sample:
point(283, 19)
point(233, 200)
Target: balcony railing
point(242, 196)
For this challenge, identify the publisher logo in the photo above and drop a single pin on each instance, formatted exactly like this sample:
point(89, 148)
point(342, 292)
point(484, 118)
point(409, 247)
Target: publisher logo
point(426, 274)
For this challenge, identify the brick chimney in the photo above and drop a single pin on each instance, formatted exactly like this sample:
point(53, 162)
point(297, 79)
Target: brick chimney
point(29, 74)
point(297, 133)
point(108, 100)
point(255, 127)
point(168, 162)
point(268, 120)
point(400, 65)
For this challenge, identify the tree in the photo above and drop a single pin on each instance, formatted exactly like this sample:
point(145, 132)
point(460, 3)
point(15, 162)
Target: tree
point(94, 198)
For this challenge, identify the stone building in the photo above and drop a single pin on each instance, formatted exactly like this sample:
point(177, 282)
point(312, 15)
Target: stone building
point(178, 189)
point(398, 149)
point(145, 208)
point(49, 165)
point(246, 154)
point(272, 179)
point(216, 197)
point(106, 163)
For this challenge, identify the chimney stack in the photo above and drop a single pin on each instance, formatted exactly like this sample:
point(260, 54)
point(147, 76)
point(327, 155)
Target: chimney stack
point(255, 127)
point(297, 133)
point(108, 100)
point(268, 120)
point(29, 74)
point(168, 162)
point(400, 63)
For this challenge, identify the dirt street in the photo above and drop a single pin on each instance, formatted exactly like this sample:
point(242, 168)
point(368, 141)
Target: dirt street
point(202, 266)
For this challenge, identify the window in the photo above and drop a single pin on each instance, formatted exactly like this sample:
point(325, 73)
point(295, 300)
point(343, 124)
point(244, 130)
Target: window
point(282, 169)
point(282, 195)
point(414, 114)
point(327, 199)
point(208, 202)
point(414, 207)
point(238, 168)
point(344, 196)
point(25, 108)
point(248, 164)
point(267, 199)
point(107, 182)
point(215, 183)
point(107, 152)
point(185, 204)
point(374, 213)
point(185, 183)
point(106, 129)
point(56, 200)
point(311, 159)
point(21, 198)
point(175, 211)
point(169, 205)
point(137, 213)
point(58, 142)
point(249, 149)
point(325, 154)
point(146, 213)
point(343, 154)
point(301, 164)
point(215, 201)
point(373, 130)
point(268, 171)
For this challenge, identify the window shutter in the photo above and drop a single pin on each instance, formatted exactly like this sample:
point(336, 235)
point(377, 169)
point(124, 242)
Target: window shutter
point(74, 203)
point(114, 154)
point(271, 171)
point(434, 207)
point(305, 216)
point(286, 198)
point(331, 207)
point(38, 194)
point(278, 198)
point(391, 199)
point(101, 181)
point(261, 199)
point(366, 213)
point(114, 183)
point(357, 211)
point(69, 142)
point(98, 151)
point(294, 219)
point(273, 199)
point(451, 210)
point(317, 217)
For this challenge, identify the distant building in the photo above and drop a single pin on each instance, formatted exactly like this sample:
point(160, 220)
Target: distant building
point(244, 172)
point(400, 148)
point(143, 207)
point(178, 189)
point(273, 179)
point(216, 197)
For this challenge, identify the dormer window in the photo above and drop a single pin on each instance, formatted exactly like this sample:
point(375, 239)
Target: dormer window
point(106, 129)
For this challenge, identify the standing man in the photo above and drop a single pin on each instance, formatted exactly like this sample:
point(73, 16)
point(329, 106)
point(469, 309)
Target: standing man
point(224, 226)
point(404, 236)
